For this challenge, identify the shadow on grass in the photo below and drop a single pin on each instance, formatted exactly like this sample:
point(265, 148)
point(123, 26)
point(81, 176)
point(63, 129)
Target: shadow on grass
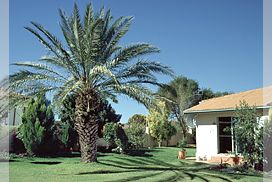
point(154, 167)
point(141, 153)
point(46, 163)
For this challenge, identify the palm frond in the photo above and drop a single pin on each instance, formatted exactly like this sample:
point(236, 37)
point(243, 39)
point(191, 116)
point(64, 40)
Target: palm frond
point(40, 67)
point(131, 52)
point(136, 92)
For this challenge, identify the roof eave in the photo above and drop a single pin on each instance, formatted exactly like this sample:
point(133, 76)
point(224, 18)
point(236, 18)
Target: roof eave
point(221, 110)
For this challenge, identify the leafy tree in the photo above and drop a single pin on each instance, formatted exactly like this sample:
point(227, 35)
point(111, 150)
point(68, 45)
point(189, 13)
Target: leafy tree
point(68, 134)
point(248, 134)
point(136, 130)
point(159, 124)
point(91, 64)
point(207, 93)
point(137, 118)
point(36, 130)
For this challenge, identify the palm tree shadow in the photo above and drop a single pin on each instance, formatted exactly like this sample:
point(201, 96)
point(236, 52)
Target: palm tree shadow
point(157, 167)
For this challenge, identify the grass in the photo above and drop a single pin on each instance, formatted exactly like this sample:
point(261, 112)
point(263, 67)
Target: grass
point(160, 164)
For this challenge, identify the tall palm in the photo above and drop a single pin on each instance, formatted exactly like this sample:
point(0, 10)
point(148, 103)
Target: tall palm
point(91, 64)
point(182, 93)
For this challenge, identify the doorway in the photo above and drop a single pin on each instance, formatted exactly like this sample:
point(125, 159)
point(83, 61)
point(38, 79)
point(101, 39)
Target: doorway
point(225, 134)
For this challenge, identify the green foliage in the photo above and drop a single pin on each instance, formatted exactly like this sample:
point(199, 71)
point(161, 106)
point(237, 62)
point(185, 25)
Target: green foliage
point(136, 130)
point(121, 139)
point(91, 58)
point(159, 124)
point(36, 129)
point(182, 93)
point(207, 93)
point(66, 133)
point(109, 132)
point(115, 135)
point(107, 115)
point(248, 134)
point(137, 118)
point(267, 134)
point(182, 143)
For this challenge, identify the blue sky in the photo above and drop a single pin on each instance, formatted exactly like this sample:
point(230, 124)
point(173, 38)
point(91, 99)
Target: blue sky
point(216, 42)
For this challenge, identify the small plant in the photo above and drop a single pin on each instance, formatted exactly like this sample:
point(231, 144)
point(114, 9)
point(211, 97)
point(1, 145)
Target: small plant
point(182, 143)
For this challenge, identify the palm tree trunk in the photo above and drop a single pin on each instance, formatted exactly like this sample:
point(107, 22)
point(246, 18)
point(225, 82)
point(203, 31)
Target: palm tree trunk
point(88, 147)
point(183, 127)
point(88, 106)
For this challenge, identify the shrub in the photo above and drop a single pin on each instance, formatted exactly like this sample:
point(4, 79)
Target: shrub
point(36, 130)
point(160, 126)
point(115, 135)
point(136, 130)
point(249, 135)
point(109, 134)
point(66, 133)
point(267, 143)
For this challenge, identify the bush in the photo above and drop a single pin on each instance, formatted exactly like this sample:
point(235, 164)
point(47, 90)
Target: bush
point(249, 135)
point(160, 126)
point(109, 134)
point(267, 143)
point(16, 144)
point(116, 137)
point(136, 131)
point(36, 130)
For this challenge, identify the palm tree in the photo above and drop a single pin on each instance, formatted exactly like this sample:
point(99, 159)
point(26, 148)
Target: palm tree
point(91, 64)
point(182, 94)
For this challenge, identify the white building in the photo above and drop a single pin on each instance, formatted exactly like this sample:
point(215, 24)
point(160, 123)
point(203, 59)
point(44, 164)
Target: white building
point(213, 115)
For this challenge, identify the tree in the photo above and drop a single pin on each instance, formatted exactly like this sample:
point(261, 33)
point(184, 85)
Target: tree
point(207, 93)
point(159, 124)
point(136, 130)
point(91, 64)
point(107, 115)
point(36, 130)
point(137, 118)
point(182, 93)
point(248, 133)
point(68, 134)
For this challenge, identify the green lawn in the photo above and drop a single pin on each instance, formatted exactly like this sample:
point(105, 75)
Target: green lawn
point(160, 164)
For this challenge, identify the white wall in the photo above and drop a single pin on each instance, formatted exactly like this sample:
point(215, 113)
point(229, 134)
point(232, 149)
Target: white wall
point(207, 133)
point(206, 136)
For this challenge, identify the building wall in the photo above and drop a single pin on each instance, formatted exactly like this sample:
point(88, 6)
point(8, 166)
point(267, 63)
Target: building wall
point(207, 141)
